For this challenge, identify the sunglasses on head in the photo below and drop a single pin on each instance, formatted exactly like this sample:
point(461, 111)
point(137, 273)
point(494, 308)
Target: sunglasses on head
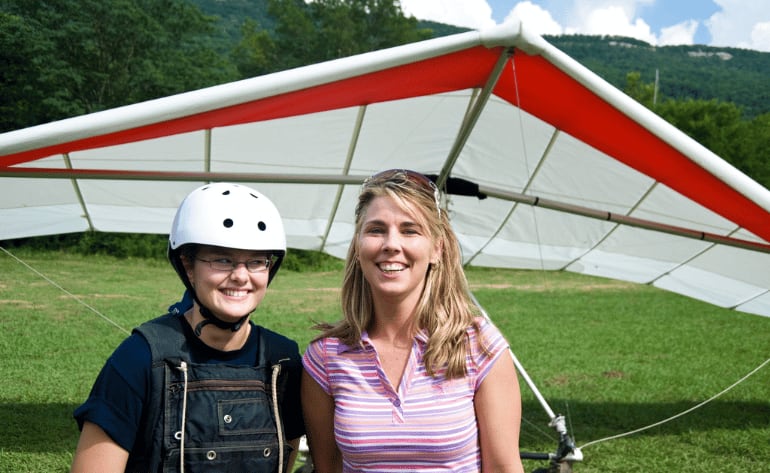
point(421, 181)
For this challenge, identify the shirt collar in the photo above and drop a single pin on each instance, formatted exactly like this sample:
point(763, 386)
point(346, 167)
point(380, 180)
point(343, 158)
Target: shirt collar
point(366, 342)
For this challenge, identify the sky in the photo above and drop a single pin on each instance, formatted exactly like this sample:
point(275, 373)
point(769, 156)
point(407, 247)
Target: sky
point(721, 23)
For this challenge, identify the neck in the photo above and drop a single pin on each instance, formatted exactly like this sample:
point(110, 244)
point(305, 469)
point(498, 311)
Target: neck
point(397, 327)
point(215, 337)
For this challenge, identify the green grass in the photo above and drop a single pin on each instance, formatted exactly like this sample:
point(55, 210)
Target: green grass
point(611, 356)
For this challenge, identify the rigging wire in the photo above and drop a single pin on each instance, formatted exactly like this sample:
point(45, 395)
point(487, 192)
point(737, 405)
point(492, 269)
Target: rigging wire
point(536, 427)
point(525, 153)
point(676, 416)
point(566, 443)
point(73, 296)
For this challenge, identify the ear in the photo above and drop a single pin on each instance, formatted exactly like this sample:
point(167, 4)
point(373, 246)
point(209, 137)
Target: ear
point(189, 266)
point(438, 251)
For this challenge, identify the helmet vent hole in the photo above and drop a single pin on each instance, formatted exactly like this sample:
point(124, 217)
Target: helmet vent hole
point(262, 226)
point(227, 192)
point(228, 222)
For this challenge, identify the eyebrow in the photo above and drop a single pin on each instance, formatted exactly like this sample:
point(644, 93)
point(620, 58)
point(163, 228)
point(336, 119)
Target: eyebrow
point(378, 222)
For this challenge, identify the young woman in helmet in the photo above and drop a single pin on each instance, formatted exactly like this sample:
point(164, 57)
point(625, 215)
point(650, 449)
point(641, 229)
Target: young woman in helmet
point(203, 388)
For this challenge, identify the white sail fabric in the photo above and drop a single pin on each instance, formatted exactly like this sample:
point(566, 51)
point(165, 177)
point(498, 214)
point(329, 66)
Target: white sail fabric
point(576, 176)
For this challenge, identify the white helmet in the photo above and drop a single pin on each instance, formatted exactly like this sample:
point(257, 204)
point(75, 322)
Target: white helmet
point(230, 216)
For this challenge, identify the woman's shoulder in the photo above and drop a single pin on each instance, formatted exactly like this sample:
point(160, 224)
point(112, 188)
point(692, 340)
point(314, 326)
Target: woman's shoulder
point(331, 346)
point(324, 343)
point(272, 337)
point(482, 325)
point(161, 327)
point(487, 334)
point(133, 355)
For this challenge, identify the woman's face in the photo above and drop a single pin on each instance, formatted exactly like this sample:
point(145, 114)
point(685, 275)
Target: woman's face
point(228, 293)
point(394, 251)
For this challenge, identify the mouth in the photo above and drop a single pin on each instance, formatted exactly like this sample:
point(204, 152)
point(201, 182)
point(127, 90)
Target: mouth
point(235, 292)
point(391, 268)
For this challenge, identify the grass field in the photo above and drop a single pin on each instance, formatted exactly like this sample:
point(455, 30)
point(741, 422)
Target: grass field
point(613, 357)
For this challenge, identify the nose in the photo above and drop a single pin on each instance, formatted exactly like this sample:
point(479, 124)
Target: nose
point(239, 272)
point(391, 242)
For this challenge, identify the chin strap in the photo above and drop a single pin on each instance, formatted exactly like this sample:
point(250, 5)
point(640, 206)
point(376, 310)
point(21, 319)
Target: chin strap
point(210, 318)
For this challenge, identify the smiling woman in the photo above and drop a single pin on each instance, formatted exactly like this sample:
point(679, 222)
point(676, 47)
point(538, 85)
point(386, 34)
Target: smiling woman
point(412, 378)
point(395, 252)
point(227, 287)
point(151, 406)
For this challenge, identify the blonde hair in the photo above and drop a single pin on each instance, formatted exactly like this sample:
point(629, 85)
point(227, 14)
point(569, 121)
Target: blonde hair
point(445, 310)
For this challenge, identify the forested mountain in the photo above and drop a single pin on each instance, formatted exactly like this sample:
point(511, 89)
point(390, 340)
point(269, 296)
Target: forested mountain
point(232, 14)
point(733, 75)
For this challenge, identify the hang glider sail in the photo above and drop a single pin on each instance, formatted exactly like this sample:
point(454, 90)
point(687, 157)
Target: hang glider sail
point(565, 171)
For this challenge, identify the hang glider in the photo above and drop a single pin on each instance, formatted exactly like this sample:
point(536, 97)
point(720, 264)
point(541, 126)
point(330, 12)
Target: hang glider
point(559, 170)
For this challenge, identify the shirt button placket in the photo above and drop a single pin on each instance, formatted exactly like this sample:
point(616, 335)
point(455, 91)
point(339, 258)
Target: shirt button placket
point(398, 412)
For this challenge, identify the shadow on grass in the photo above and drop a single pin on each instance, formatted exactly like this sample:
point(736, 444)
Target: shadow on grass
point(51, 428)
point(590, 421)
point(43, 428)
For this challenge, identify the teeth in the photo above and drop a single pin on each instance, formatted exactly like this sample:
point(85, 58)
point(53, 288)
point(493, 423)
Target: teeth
point(391, 267)
point(233, 293)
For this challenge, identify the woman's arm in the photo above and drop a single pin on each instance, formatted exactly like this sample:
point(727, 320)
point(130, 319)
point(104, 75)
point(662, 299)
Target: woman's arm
point(295, 450)
point(498, 410)
point(96, 451)
point(318, 409)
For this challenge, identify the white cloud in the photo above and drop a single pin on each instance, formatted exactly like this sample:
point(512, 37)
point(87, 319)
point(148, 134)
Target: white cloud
point(476, 14)
point(535, 18)
point(584, 12)
point(740, 23)
point(760, 36)
point(615, 21)
point(590, 17)
point(681, 33)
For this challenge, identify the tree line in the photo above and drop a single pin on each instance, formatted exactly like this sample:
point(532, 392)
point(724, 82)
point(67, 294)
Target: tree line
point(683, 72)
point(71, 57)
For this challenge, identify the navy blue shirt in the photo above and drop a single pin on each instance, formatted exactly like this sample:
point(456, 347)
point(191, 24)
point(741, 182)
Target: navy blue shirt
point(122, 389)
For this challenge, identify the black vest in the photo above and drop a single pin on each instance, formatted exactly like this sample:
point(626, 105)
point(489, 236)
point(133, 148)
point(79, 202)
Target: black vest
point(229, 414)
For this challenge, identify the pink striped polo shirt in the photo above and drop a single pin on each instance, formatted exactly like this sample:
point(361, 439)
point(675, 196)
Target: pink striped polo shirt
point(427, 424)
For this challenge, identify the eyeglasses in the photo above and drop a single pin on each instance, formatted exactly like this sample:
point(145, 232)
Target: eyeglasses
point(256, 265)
point(421, 181)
